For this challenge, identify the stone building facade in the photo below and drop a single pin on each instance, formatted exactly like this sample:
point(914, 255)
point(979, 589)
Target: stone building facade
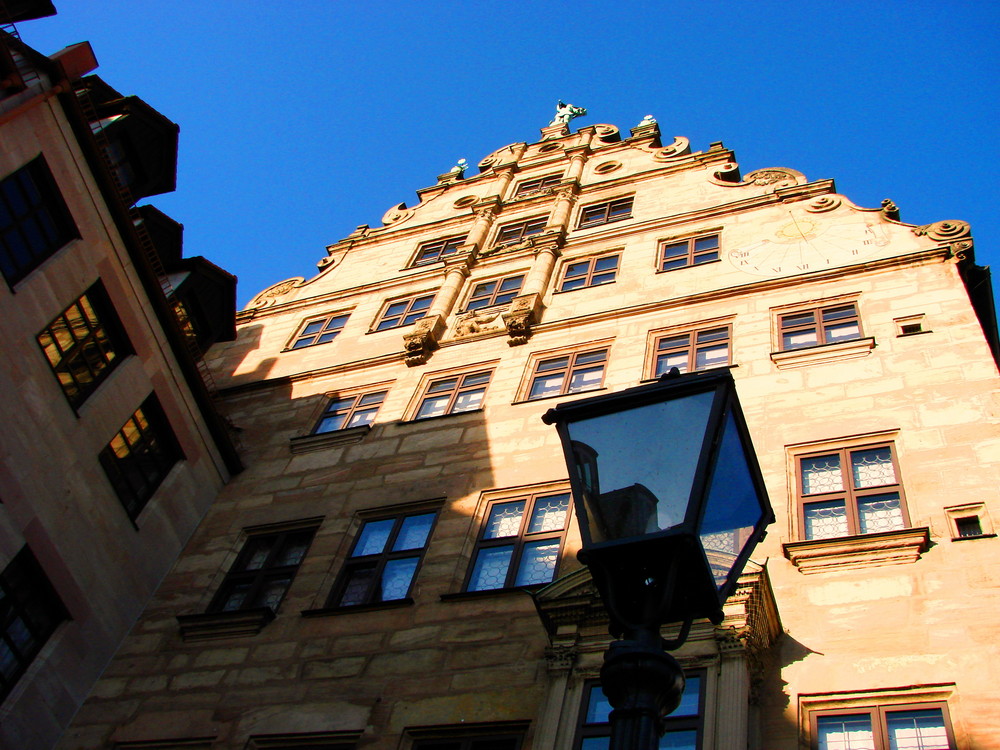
point(111, 448)
point(395, 568)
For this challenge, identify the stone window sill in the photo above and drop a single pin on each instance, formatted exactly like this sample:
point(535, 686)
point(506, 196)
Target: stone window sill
point(458, 596)
point(309, 443)
point(818, 355)
point(224, 624)
point(326, 611)
point(851, 552)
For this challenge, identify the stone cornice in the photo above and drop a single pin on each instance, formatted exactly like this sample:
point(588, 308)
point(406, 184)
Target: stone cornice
point(852, 552)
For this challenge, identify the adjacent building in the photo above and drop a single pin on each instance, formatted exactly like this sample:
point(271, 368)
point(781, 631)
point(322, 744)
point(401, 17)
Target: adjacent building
point(111, 449)
point(395, 569)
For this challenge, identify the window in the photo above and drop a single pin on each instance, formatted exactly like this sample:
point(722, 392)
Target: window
point(821, 325)
point(496, 292)
point(908, 727)
point(514, 233)
point(692, 350)
point(682, 727)
point(383, 560)
point(30, 611)
point(530, 187)
point(139, 456)
point(403, 312)
point(34, 220)
point(569, 373)
point(850, 491)
point(520, 542)
point(84, 344)
point(595, 271)
point(690, 252)
point(605, 213)
point(430, 252)
point(454, 395)
point(319, 331)
point(353, 411)
point(263, 570)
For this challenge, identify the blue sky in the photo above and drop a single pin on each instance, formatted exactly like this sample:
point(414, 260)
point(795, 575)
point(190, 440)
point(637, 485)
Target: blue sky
point(302, 119)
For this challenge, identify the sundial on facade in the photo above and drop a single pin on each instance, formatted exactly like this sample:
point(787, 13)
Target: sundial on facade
point(806, 243)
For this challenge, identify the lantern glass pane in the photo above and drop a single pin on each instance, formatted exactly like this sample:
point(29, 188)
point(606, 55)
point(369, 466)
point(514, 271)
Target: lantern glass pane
point(733, 507)
point(641, 465)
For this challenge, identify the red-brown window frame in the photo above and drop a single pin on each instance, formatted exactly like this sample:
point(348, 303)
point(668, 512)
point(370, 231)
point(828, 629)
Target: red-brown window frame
point(879, 724)
point(591, 272)
point(818, 324)
point(692, 257)
point(519, 541)
point(464, 384)
point(405, 318)
point(498, 292)
point(691, 348)
point(536, 226)
point(568, 370)
point(850, 494)
point(330, 324)
point(606, 212)
point(358, 405)
point(536, 185)
point(435, 250)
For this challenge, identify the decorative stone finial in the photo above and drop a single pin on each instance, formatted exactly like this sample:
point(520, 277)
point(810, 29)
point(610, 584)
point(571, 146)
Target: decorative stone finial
point(647, 120)
point(565, 113)
point(460, 167)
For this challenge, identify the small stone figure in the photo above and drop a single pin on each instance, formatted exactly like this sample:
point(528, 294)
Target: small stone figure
point(647, 120)
point(565, 113)
point(460, 167)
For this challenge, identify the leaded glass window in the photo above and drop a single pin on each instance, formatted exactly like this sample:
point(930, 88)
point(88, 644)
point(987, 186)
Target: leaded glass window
point(850, 491)
point(520, 542)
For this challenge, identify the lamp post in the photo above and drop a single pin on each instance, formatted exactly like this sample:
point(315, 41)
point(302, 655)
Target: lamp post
point(671, 503)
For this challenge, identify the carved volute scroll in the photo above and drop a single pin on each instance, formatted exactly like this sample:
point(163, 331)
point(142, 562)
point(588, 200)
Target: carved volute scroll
point(957, 234)
point(272, 294)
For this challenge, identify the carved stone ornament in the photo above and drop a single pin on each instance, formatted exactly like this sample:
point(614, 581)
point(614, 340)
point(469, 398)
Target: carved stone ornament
point(397, 214)
point(607, 133)
point(519, 318)
point(473, 323)
point(270, 295)
point(728, 175)
point(680, 147)
point(421, 342)
point(763, 177)
point(890, 210)
point(944, 231)
point(503, 155)
point(560, 658)
point(824, 203)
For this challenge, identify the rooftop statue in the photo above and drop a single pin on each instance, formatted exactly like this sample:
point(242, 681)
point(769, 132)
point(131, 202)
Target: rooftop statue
point(565, 113)
point(647, 120)
point(460, 167)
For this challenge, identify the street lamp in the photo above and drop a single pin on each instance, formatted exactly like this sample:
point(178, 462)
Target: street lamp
point(671, 503)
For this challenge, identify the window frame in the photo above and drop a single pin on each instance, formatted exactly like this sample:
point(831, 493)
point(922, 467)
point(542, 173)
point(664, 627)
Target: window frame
point(155, 463)
point(324, 330)
point(536, 185)
point(259, 577)
point(448, 246)
point(33, 602)
point(497, 293)
point(536, 224)
point(405, 318)
point(47, 209)
point(104, 332)
point(605, 212)
point(591, 271)
point(692, 348)
point(818, 325)
point(377, 561)
point(520, 541)
point(878, 716)
point(455, 392)
point(687, 722)
point(572, 366)
point(692, 257)
point(357, 407)
point(849, 493)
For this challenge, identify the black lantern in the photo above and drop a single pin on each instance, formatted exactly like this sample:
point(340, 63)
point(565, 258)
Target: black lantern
point(671, 504)
point(668, 493)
